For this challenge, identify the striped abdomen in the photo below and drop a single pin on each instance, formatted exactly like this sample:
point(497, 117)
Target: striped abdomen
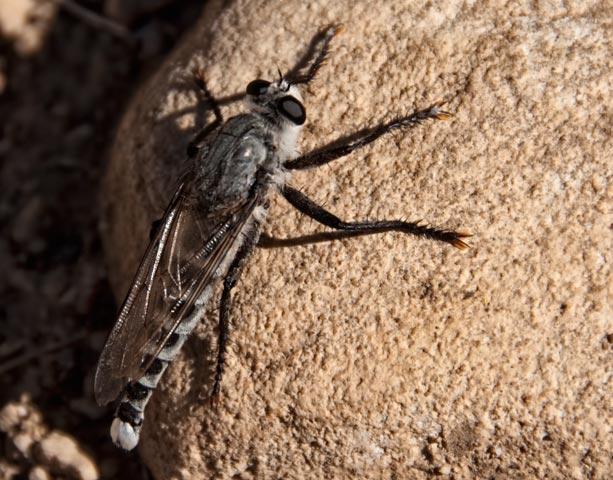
point(129, 416)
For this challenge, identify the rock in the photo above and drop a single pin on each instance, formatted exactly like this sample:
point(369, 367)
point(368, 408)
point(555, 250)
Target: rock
point(22, 422)
point(23, 443)
point(26, 23)
point(11, 416)
point(33, 444)
point(39, 473)
point(349, 359)
point(64, 455)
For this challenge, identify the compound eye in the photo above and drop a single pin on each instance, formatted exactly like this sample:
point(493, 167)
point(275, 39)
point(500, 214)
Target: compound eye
point(257, 87)
point(292, 109)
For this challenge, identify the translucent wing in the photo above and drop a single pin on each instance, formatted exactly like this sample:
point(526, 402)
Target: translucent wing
point(179, 263)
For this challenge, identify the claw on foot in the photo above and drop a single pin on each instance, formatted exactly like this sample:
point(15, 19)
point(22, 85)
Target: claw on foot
point(214, 401)
point(457, 241)
point(438, 113)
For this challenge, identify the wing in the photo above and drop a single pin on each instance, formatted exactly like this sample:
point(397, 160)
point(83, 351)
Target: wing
point(179, 263)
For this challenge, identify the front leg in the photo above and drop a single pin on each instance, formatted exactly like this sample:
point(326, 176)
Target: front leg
point(321, 215)
point(338, 149)
point(196, 143)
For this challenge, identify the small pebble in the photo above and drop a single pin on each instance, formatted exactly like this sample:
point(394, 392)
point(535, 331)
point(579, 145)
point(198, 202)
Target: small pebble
point(11, 416)
point(23, 442)
point(39, 473)
point(598, 183)
point(63, 453)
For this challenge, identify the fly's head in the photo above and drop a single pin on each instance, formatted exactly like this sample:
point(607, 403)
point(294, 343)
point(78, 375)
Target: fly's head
point(279, 102)
point(280, 105)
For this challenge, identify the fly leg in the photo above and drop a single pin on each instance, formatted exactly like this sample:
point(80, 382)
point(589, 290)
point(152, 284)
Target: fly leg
point(321, 215)
point(196, 143)
point(346, 145)
point(234, 272)
point(324, 37)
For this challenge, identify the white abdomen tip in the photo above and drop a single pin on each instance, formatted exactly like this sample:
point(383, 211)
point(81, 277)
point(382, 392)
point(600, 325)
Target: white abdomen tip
point(124, 435)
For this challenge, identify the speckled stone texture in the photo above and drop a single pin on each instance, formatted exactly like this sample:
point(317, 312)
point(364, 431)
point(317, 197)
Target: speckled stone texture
point(390, 356)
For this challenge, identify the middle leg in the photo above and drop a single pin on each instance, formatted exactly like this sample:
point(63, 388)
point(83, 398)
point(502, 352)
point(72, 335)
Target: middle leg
point(321, 215)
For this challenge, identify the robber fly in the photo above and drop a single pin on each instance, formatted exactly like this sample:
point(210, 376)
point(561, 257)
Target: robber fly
point(210, 229)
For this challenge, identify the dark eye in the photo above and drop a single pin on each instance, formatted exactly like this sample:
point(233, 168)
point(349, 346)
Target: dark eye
point(257, 87)
point(292, 109)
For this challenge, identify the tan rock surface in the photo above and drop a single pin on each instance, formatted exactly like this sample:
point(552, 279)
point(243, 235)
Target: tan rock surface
point(388, 356)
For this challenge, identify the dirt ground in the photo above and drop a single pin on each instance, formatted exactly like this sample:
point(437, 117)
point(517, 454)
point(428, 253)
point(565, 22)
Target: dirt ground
point(63, 86)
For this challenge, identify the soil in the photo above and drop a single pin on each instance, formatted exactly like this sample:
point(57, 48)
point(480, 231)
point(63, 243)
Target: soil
point(64, 84)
